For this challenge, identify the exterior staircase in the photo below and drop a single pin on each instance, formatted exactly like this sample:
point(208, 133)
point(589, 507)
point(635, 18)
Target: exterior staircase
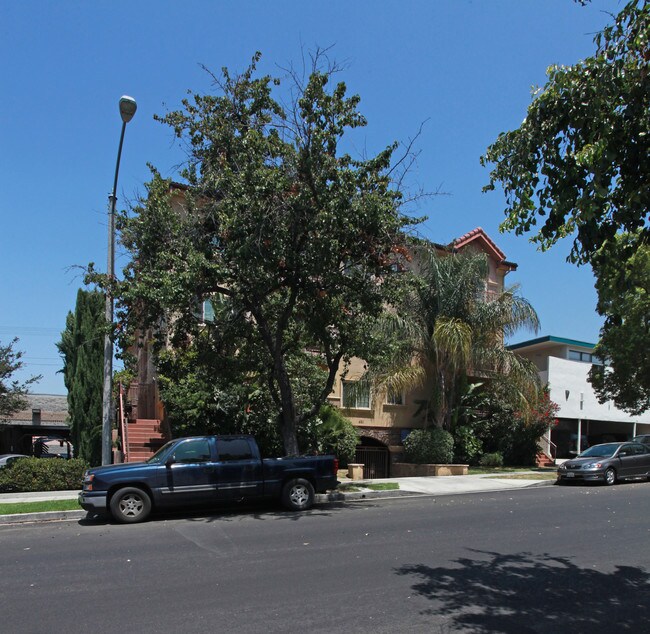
point(140, 437)
point(543, 460)
point(143, 438)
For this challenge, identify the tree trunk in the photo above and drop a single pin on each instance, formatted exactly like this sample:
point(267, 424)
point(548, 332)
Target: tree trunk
point(288, 413)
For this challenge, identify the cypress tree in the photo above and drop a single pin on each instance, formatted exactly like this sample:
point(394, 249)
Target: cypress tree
point(82, 349)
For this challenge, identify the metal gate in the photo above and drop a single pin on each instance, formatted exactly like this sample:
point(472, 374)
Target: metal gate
point(375, 461)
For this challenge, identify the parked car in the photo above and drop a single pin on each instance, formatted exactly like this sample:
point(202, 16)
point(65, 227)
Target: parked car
point(607, 463)
point(642, 438)
point(7, 458)
point(205, 471)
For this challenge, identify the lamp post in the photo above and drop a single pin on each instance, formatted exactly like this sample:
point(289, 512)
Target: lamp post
point(127, 110)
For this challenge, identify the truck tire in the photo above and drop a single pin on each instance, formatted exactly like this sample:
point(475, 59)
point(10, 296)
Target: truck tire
point(130, 505)
point(298, 495)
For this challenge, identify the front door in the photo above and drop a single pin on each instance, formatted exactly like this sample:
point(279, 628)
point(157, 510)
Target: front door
point(190, 474)
point(635, 462)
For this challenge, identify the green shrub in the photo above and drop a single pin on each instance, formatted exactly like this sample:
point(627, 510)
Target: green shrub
point(504, 429)
point(491, 460)
point(332, 433)
point(429, 446)
point(41, 474)
point(467, 447)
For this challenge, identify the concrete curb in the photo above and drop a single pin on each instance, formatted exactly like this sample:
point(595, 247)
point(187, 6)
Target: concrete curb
point(48, 516)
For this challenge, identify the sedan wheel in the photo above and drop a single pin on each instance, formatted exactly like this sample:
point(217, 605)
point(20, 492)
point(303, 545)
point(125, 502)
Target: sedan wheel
point(610, 477)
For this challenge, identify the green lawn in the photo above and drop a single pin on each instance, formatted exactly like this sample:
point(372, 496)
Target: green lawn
point(379, 486)
point(39, 507)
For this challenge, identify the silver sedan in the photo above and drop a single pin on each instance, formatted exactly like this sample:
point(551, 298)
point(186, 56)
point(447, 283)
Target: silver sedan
point(607, 463)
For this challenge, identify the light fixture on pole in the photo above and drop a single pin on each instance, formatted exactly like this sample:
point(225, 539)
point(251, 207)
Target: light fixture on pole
point(127, 110)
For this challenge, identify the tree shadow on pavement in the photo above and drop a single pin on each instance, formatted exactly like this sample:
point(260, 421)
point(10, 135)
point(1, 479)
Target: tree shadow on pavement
point(533, 593)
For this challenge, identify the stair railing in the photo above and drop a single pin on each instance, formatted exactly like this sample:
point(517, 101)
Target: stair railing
point(124, 427)
point(548, 447)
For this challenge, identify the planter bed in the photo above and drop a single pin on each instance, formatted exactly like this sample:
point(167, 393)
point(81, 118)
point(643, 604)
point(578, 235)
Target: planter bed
point(410, 470)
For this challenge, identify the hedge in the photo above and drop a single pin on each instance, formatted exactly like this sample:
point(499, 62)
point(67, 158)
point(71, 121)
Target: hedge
point(429, 446)
point(42, 474)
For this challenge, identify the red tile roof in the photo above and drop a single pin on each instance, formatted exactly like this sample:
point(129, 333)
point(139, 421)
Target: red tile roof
point(482, 238)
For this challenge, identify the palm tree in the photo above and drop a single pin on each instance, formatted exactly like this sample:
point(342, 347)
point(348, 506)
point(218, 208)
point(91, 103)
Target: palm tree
point(448, 329)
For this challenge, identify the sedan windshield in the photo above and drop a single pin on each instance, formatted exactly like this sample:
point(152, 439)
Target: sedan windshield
point(600, 451)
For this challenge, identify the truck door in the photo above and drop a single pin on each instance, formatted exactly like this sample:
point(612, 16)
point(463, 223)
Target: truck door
point(190, 474)
point(240, 470)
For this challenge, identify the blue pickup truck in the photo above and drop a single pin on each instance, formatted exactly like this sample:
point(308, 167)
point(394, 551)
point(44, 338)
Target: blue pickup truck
point(204, 471)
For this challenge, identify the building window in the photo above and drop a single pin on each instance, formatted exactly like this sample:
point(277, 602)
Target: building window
point(355, 394)
point(204, 311)
point(584, 357)
point(393, 397)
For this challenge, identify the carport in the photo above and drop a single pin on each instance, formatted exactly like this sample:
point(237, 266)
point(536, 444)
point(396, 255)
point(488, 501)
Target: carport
point(591, 432)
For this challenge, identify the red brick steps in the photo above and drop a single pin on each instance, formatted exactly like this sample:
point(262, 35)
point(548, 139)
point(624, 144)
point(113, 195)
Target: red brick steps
point(145, 437)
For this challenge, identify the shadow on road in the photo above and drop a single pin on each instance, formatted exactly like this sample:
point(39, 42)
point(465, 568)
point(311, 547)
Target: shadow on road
point(533, 593)
point(235, 512)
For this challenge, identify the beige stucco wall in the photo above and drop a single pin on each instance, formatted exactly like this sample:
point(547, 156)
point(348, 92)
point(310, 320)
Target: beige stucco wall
point(380, 413)
point(540, 357)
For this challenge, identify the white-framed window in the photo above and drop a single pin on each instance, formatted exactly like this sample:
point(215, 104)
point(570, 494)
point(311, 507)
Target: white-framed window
point(204, 311)
point(394, 397)
point(355, 394)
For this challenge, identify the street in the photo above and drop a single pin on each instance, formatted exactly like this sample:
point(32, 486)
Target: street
point(546, 559)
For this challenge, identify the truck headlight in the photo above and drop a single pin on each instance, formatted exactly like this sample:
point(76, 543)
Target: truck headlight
point(88, 481)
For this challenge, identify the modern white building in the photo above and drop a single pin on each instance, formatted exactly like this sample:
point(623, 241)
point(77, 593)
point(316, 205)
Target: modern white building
point(564, 365)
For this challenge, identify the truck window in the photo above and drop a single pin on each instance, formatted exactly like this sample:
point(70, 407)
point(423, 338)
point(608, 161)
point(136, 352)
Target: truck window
point(234, 449)
point(195, 450)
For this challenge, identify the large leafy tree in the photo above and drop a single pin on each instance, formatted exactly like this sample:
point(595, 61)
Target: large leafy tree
point(447, 330)
point(623, 285)
point(579, 166)
point(12, 391)
point(296, 237)
point(82, 349)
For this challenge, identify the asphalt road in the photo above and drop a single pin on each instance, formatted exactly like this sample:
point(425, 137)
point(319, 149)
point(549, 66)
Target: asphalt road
point(551, 559)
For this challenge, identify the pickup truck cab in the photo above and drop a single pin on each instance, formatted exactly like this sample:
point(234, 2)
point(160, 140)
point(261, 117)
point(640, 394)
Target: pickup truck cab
point(204, 471)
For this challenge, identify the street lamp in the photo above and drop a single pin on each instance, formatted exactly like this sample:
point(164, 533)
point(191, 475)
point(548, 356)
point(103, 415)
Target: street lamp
point(127, 110)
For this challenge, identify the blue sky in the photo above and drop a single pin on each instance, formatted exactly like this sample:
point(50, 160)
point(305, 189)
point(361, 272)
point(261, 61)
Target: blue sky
point(465, 67)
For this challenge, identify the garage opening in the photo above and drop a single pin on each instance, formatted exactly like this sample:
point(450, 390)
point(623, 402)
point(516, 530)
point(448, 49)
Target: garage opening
point(374, 456)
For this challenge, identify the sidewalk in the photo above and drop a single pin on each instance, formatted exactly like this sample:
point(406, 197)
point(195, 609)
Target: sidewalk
point(430, 486)
point(440, 485)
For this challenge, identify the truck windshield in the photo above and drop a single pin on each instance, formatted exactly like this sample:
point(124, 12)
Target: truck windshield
point(161, 454)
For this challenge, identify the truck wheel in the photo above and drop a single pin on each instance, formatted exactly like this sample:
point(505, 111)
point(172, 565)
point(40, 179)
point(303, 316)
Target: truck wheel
point(298, 495)
point(130, 505)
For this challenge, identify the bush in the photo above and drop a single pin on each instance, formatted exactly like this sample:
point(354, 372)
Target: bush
point(503, 429)
point(491, 460)
point(429, 446)
point(467, 447)
point(331, 432)
point(41, 474)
